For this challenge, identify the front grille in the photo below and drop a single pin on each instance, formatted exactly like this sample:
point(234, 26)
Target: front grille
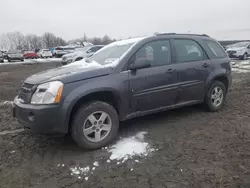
point(231, 52)
point(26, 92)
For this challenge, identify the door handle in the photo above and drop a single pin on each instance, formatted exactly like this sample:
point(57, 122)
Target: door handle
point(170, 70)
point(205, 65)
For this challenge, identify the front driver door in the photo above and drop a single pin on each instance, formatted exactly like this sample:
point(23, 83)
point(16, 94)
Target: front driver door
point(154, 87)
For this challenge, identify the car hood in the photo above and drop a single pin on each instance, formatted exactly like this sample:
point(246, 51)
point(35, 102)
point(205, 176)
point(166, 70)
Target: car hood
point(79, 70)
point(236, 48)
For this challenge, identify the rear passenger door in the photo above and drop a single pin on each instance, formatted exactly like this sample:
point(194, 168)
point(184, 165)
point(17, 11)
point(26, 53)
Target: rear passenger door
point(193, 67)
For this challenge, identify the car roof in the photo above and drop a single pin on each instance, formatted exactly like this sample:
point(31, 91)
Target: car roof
point(161, 35)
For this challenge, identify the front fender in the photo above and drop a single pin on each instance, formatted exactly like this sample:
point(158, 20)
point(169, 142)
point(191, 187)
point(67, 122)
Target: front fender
point(80, 90)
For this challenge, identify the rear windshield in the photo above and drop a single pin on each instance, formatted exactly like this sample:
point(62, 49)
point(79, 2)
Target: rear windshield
point(216, 49)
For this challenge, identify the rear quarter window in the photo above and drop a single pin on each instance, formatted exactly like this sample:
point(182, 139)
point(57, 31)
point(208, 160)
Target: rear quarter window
point(216, 49)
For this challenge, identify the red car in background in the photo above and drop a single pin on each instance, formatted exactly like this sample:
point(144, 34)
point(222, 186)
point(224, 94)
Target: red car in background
point(30, 55)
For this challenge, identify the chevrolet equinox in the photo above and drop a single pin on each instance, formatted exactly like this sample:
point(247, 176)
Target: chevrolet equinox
point(123, 80)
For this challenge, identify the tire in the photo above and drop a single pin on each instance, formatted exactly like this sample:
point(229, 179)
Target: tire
point(81, 117)
point(244, 57)
point(22, 59)
point(208, 99)
point(78, 59)
point(9, 60)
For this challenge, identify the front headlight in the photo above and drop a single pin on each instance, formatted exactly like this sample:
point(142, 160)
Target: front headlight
point(48, 93)
point(240, 51)
point(72, 56)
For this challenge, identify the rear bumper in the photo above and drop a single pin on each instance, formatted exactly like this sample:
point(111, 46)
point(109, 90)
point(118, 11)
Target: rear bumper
point(41, 119)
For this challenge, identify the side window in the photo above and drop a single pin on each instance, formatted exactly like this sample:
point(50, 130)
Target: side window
point(188, 50)
point(217, 50)
point(157, 52)
point(99, 47)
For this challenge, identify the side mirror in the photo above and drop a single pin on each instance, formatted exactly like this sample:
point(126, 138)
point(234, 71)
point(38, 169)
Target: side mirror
point(248, 47)
point(140, 64)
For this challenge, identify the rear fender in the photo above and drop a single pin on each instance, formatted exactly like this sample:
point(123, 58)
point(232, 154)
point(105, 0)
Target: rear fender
point(215, 74)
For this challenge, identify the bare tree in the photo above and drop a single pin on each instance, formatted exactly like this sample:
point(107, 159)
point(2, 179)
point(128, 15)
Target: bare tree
point(33, 42)
point(49, 39)
point(4, 42)
point(16, 40)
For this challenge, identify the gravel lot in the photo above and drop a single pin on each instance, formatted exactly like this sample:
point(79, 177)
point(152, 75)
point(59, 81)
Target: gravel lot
point(194, 148)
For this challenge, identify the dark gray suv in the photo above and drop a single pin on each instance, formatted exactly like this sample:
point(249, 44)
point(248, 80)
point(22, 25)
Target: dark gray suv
point(123, 80)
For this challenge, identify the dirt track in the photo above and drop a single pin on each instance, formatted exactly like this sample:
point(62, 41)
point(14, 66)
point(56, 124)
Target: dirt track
point(196, 149)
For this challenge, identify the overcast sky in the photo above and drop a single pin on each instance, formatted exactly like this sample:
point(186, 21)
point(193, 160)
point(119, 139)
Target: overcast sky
point(222, 19)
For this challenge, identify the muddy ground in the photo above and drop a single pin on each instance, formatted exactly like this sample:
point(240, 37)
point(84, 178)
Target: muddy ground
point(196, 149)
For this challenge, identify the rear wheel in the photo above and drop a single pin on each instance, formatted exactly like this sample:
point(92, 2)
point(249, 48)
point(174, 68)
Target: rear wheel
point(95, 125)
point(216, 96)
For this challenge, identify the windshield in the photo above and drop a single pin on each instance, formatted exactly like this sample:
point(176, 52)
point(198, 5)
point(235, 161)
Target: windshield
point(81, 49)
point(14, 52)
point(240, 44)
point(69, 49)
point(111, 53)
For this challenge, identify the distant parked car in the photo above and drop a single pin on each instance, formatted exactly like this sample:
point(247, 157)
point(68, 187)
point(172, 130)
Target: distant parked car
point(80, 53)
point(1, 57)
point(14, 55)
point(239, 50)
point(30, 55)
point(44, 53)
point(60, 51)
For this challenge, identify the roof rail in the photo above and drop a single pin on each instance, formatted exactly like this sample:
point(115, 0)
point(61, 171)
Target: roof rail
point(202, 35)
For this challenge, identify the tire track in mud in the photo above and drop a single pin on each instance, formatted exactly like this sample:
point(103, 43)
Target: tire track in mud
point(196, 149)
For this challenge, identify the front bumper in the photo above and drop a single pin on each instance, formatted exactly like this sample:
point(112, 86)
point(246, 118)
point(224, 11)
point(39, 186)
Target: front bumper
point(41, 119)
point(15, 58)
point(66, 61)
point(236, 55)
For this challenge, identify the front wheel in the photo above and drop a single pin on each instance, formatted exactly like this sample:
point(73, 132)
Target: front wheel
point(216, 96)
point(244, 57)
point(95, 125)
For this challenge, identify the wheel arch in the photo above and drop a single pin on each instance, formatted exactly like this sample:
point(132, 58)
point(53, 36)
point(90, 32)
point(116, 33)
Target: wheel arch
point(106, 95)
point(222, 77)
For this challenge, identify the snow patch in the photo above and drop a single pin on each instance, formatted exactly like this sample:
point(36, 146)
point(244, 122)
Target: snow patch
point(240, 70)
point(96, 163)
point(127, 148)
point(241, 66)
point(79, 170)
point(4, 103)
